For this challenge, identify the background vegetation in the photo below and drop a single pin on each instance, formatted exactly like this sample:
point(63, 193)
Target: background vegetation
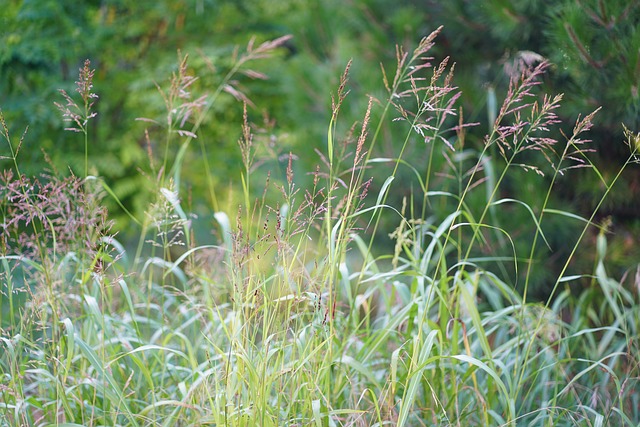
point(234, 234)
point(593, 46)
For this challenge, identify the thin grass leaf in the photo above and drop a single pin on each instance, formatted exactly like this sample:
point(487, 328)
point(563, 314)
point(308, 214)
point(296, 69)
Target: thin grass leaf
point(573, 216)
point(533, 216)
point(382, 195)
point(316, 409)
point(174, 265)
point(440, 231)
point(373, 342)
point(64, 425)
point(70, 344)
point(472, 309)
point(166, 265)
point(115, 197)
point(609, 288)
point(592, 365)
point(359, 367)
point(176, 168)
point(508, 401)
point(223, 220)
point(168, 402)
point(111, 388)
point(421, 351)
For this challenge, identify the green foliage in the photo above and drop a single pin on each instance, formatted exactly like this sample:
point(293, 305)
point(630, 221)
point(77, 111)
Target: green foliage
point(593, 47)
point(288, 316)
point(272, 284)
point(597, 47)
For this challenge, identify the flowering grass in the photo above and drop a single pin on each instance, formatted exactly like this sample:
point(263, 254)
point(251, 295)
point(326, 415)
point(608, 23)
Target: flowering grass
point(293, 317)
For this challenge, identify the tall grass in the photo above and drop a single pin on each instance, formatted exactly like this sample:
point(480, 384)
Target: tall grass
point(293, 318)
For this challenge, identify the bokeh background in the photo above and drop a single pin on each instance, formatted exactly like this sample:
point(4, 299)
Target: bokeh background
point(593, 46)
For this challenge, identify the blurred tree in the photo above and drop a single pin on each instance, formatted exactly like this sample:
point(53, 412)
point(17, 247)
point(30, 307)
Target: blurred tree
point(593, 44)
point(132, 46)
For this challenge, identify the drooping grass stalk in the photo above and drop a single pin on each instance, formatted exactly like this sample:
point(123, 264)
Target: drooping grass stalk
point(584, 125)
point(633, 157)
point(178, 92)
point(516, 95)
point(278, 327)
point(79, 116)
point(423, 108)
point(34, 212)
point(405, 69)
point(264, 50)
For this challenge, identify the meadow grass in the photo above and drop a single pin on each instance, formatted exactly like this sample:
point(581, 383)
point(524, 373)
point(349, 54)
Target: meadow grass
point(296, 317)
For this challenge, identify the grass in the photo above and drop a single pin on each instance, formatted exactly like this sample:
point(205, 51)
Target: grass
point(292, 318)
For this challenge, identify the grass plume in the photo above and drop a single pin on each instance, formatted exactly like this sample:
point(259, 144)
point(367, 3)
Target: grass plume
point(292, 316)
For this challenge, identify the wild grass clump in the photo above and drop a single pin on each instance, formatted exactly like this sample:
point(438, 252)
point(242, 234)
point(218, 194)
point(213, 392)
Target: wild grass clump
point(293, 316)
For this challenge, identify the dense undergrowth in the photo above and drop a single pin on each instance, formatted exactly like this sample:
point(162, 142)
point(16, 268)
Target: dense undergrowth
point(290, 317)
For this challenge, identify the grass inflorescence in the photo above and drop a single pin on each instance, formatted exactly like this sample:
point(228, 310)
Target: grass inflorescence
point(296, 315)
